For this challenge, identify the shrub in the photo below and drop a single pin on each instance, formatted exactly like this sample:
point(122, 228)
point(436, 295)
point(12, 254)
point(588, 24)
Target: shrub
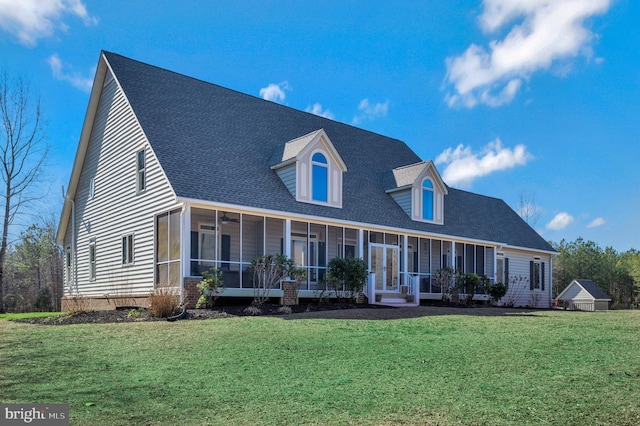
point(268, 271)
point(210, 287)
point(79, 305)
point(446, 279)
point(347, 276)
point(469, 283)
point(286, 310)
point(496, 292)
point(252, 310)
point(164, 302)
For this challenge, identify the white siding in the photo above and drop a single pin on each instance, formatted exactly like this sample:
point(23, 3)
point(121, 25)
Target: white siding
point(519, 293)
point(117, 209)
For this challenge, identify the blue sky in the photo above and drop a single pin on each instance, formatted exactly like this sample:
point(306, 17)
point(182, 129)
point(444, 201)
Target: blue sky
point(507, 97)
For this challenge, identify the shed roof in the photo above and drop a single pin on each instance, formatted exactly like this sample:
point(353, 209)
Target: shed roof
point(589, 286)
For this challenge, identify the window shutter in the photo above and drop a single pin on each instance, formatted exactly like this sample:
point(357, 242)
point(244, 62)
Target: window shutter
point(531, 275)
point(542, 275)
point(506, 271)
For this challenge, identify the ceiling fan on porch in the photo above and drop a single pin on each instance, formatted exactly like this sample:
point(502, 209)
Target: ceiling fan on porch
point(226, 219)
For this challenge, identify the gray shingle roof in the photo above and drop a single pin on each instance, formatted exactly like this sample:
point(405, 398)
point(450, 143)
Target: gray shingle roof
point(593, 289)
point(216, 144)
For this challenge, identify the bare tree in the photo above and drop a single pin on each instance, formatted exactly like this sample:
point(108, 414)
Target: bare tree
point(527, 208)
point(22, 153)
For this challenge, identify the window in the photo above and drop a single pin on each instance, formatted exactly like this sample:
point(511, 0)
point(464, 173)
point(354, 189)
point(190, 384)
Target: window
point(319, 177)
point(536, 276)
point(502, 269)
point(127, 249)
point(427, 200)
point(67, 262)
point(92, 259)
point(140, 169)
point(92, 188)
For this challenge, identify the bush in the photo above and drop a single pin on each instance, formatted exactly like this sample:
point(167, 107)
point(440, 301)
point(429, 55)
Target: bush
point(268, 271)
point(347, 276)
point(79, 305)
point(210, 287)
point(164, 302)
point(496, 292)
point(469, 283)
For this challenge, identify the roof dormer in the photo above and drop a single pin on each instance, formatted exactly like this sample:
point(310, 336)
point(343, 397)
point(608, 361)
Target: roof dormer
point(311, 169)
point(419, 190)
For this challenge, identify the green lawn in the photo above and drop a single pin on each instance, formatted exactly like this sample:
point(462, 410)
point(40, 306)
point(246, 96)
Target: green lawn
point(564, 368)
point(28, 315)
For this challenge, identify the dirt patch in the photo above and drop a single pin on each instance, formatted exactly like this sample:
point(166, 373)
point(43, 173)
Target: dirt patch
point(325, 311)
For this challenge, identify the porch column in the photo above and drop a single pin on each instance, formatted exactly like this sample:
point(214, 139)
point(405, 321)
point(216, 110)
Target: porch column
point(361, 244)
point(185, 247)
point(287, 238)
point(405, 257)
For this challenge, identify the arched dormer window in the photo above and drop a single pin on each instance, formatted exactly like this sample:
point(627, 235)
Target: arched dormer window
point(319, 177)
point(427, 200)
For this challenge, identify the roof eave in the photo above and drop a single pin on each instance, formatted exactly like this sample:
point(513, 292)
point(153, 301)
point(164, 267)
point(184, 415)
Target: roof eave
point(87, 125)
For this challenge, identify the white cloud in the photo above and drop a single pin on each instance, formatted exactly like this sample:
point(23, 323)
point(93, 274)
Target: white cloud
point(560, 221)
point(463, 166)
point(598, 221)
point(275, 92)
point(317, 110)
point(30, 20)
point(544, 32)
point(76, 79)
point(370, 112)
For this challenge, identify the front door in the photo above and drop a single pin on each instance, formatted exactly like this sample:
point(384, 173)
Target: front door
point(384, 261)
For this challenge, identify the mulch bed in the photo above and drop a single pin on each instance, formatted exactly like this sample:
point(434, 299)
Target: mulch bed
point(137, 315)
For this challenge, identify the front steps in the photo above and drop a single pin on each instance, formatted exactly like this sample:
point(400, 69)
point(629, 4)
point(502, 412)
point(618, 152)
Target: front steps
point(395, 299)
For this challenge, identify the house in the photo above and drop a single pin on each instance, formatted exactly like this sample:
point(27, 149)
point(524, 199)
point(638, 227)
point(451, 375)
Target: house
point(174, 175)
point(584, 295)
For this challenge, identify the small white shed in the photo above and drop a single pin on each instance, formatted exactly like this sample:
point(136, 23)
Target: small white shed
point(583, 295)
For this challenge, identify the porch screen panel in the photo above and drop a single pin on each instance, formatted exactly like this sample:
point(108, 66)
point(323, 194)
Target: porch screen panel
point(168, 272)
point(376, 237)
point(480, 260)
point(203, 241)
point(275, 236)
point(334, 242)
point(317, 255)
point(391, 239)
point(252, 245)
point(350, 242)
point(459, 260)
point(299, 248)
point(469, 254)
point(424, 255)
point(436, 263)
point(229, 252)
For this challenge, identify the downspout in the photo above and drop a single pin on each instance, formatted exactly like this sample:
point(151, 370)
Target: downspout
point(73, 240)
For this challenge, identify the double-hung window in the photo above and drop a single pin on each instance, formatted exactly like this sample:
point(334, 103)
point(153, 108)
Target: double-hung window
point(536, 274)
point(141, 184)
point(127, 249)
point(92, 259)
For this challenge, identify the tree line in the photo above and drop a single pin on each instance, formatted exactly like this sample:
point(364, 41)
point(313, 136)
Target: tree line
point(617, 274)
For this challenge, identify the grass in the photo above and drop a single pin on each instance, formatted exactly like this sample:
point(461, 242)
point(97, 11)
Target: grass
point(28, 315)
point(540, 368)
